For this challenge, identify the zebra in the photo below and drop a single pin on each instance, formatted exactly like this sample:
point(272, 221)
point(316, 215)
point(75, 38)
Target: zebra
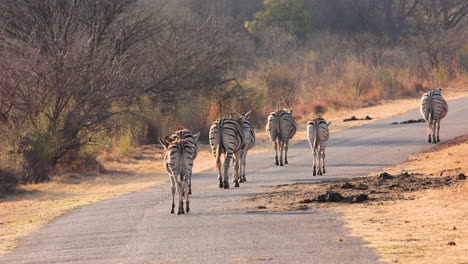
point(433, 109)
point(281, 127)
point(317, 133)
point(249, 142)
point(178, 164)
point(227, 137)
point(190, 139)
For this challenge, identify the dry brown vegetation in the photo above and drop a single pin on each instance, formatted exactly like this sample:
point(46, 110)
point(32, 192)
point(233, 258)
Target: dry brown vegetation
point(415, 214)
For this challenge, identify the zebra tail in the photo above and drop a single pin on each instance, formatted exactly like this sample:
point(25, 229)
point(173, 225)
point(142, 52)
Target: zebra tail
point(219, 146)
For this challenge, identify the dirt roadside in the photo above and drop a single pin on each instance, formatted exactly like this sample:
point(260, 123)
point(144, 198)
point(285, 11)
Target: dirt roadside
point(415, 212)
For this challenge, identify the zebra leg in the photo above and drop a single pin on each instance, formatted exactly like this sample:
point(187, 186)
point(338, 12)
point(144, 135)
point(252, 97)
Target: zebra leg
point(227, 162)
point(187, 187)
point(244, 163)
point(173, 190)
point(235, 175)
point(434, 126)
point(319, 157)
point(286, 152)
point(429, 131)
point(220, 175)
point(281, 152)
point(276, 153)
point(241, 164)
point(438, 130)
point(314, 160)
point(323, 160)
point(180, 191)
point(190, 184)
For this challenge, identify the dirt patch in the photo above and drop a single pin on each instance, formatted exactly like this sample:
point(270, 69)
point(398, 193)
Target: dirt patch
point(383, 187)
point(354, 118)
point(410, 121)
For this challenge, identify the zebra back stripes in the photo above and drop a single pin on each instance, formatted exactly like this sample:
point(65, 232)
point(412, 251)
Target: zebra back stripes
point(226, 137)
point(280, 128)
point(318, 134)
point(433, 109)
point(189, 138)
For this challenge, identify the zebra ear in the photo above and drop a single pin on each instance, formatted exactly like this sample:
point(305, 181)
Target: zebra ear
point(163, 143)
point(291, 111)
point(247, 115)
point(328, 124)
point(195, 137)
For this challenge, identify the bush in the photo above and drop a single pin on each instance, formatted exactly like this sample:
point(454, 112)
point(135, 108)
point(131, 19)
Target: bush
point(8, 182)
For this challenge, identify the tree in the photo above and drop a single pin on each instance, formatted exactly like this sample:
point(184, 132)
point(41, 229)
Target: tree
point(292, 16)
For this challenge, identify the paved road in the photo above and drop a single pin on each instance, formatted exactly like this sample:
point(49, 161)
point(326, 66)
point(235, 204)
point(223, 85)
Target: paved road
point(137, 228)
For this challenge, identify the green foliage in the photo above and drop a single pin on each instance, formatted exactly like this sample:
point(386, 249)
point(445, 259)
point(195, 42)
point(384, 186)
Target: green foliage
point(290, 15)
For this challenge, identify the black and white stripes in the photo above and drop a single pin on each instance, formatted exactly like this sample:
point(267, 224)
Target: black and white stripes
point(433, 109)
point(191, 146)
point(280, 128)
point(179, 167)
point(318, 134)
point(227, 137)
point(249, 142)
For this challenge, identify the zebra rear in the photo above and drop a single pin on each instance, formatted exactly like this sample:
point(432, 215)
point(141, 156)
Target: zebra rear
point(178, 164)
point(280, 128)
point(249, 142)
point(191, 142)
point(226, 137)
point(433, 109)
point(318, 134)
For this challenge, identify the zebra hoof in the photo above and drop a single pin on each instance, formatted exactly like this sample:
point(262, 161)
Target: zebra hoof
point(281, 164)
point(324, 171)
point(226, 185)
point(315, 173)
point(172, 211)
point(187, 210)
point(277, 163)
point(236, 185)
point(220, 184)
point(190, 192)
point(438, 140)
point(285, 162)
point(241, 180)
point(429, 140)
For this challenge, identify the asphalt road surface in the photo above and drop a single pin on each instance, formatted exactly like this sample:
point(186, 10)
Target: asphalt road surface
point(138, 228)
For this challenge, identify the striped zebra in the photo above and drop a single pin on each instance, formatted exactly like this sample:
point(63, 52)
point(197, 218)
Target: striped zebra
point(317, 133)
point(227, 137)
point(281, 127)
point(433, 109)
point(190, 139)
point(178, 164)
point(249, 142)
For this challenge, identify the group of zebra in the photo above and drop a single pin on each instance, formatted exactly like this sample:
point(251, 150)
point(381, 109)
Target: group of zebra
point(234, 136)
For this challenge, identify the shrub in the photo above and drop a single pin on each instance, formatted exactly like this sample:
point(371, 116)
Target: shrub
point(8, 182)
